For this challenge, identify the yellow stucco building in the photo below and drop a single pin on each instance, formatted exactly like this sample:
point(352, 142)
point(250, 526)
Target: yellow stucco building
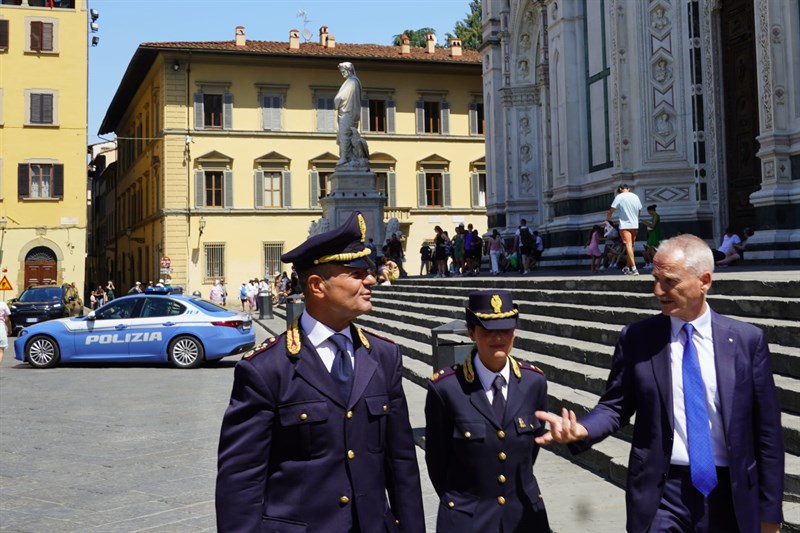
point(43, 141)
point(225, 148)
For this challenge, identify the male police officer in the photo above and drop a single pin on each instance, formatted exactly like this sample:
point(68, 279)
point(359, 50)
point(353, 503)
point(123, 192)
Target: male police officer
point(317, 435)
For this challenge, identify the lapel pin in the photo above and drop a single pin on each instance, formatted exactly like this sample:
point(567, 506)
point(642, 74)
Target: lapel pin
point(521, 422)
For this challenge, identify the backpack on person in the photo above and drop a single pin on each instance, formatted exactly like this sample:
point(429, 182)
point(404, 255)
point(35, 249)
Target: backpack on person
point(526, 237)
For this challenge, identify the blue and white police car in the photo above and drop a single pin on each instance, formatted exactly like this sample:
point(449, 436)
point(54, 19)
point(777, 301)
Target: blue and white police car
point(181, 330)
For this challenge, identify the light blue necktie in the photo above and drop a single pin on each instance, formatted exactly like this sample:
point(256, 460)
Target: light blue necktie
point(698, 433)
point(342, 369)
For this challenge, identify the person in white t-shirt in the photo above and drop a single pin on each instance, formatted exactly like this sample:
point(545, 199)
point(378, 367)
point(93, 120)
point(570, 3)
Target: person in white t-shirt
point(729, 241)
point(5, 312)
point(628, 205)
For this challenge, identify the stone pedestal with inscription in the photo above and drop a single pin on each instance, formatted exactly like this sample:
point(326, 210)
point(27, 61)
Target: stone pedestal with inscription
point(355, 190)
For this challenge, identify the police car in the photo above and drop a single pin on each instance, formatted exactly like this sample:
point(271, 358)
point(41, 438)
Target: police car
point(181, 330)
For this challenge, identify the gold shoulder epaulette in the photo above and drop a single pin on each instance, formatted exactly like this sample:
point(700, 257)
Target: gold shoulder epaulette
point(445, 372)
point(528, 366)
point(261, 348)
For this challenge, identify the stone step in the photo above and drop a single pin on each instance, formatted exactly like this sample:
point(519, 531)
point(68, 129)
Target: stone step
point(642, 284)
point(572, 371)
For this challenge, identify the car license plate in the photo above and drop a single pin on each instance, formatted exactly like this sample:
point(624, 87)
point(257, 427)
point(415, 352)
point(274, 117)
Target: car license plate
point(31, 320)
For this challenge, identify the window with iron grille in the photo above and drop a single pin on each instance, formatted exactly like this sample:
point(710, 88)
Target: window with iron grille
point(272, 258)
point(214, 260)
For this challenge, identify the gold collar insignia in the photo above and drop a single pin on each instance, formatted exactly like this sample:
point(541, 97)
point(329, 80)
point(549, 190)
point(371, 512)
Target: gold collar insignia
point(293, 343)
point(363, 338)
point(515, 367)
point(469, 370)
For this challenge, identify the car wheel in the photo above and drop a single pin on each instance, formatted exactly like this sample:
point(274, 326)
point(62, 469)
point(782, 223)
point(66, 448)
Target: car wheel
point(42, 352)
point(186, 352)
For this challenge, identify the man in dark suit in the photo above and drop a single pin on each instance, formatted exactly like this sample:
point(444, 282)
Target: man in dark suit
point(707, 452)
point(480, 427)
point(317, 434)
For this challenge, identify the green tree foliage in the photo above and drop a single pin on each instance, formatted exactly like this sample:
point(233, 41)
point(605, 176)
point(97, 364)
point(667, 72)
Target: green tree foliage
point(469, 30)
point(416, 37)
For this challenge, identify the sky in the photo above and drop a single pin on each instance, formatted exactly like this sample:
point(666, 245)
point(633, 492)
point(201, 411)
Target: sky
point(124, 24)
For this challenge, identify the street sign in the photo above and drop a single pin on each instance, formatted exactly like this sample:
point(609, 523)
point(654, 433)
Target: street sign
point(5, 285)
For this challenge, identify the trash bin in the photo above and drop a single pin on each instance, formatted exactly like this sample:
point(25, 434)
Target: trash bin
point(450, 344)
point(294, 307)
point(264, 305)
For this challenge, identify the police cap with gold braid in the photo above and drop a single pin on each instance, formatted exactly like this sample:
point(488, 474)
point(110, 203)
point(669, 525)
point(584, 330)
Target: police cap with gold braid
point(492, 310)
point(343, 245)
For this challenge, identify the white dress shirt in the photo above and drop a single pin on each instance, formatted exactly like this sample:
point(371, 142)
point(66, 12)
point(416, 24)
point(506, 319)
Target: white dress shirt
point(704, 343)
point(486, 377)
point(319, 334)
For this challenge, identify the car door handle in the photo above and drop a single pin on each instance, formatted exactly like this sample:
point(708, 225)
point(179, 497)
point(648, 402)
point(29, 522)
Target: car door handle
point(120, 326)
point(168, 324)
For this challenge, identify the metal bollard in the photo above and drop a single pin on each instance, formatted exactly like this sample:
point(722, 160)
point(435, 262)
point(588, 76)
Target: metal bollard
point(265, 306)
point(294, 308)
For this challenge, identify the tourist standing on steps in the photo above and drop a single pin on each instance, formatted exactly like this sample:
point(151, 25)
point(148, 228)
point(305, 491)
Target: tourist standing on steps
point(707, 451)
point(316, 436)
point(653, 236)
point(628, 205)
point(480, 429)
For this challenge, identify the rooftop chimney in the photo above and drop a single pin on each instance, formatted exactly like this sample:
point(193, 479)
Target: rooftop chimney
point(323, 35)
point(241, 40)
point(430, 43)
point(405, 45)
point(455, 47)
point(294, 40)
point(331, 42)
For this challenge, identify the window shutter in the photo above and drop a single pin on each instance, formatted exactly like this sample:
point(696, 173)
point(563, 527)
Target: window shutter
point(320, 114)
point(390, 112)
point(445, 118)
point(23, 184)
point(3, 34)
point(198, 111)
point(313, 187)
point(199, 188)
point(266, 112)
point(421, 193)
point(36, 36)
point(330, 115)
point(36, 109)
point(227, 191)
point(391, 189)
point(420, 105)
point(474, 180)
point(473, 118)
point(446, 189)
point(364, 114)
point(259, 188)
point(47, 36)
point(227, 111)
point(47, 108)
point(277, 103)
point(286, 188)
point(58, 181)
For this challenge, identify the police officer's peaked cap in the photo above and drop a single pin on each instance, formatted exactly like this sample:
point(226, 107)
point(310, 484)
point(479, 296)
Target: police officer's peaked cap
point(343, 245)
point(492, 310)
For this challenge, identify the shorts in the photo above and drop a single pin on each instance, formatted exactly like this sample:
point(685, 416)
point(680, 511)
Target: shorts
point(525, 250)
point(628, 236)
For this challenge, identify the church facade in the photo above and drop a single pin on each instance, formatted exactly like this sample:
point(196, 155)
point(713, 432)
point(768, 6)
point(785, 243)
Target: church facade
point(693, 103)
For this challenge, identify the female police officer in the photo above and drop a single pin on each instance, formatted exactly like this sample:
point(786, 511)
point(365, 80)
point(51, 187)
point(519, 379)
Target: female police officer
point(481, 426)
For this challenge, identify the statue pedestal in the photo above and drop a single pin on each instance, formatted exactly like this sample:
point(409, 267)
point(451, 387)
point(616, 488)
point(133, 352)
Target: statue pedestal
point(355, 190)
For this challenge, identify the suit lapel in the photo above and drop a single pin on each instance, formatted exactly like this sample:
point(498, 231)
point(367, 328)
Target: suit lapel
point(477, 396)
point(662, 367)
point(725, 364)
point(310, 367)
point(364, 369)
point(514, 400)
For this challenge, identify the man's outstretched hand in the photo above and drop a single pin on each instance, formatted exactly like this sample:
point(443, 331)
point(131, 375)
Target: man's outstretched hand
point(563, 429)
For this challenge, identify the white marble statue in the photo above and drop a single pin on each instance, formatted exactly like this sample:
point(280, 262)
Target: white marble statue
point(348, 111)
point(318, 226)
point(393, 228)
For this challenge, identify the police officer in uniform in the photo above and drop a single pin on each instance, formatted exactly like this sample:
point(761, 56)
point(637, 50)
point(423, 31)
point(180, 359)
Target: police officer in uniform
point(480, 429)
point(316, 436)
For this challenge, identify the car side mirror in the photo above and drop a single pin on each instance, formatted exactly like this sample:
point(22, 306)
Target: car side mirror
point(11, 301)
point(91, 316)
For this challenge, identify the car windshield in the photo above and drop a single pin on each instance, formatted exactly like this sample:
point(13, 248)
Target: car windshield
point(43, 294)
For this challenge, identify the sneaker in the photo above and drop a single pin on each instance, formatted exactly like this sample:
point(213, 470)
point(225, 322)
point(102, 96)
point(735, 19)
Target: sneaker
point(631, 271)
point(626, 270)
point(526, 272)
point(602, 268)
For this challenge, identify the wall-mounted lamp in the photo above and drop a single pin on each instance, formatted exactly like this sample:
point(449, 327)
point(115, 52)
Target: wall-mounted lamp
point(94, 14)
point(95, 40)
point(94, 26)
point(176, 66)
point(3, 223)
point(201, 224)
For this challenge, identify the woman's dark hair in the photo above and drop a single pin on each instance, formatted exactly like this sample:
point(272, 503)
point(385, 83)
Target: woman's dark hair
point(653, 207)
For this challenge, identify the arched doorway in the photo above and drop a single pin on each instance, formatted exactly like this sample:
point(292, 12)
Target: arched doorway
point(40, 266)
